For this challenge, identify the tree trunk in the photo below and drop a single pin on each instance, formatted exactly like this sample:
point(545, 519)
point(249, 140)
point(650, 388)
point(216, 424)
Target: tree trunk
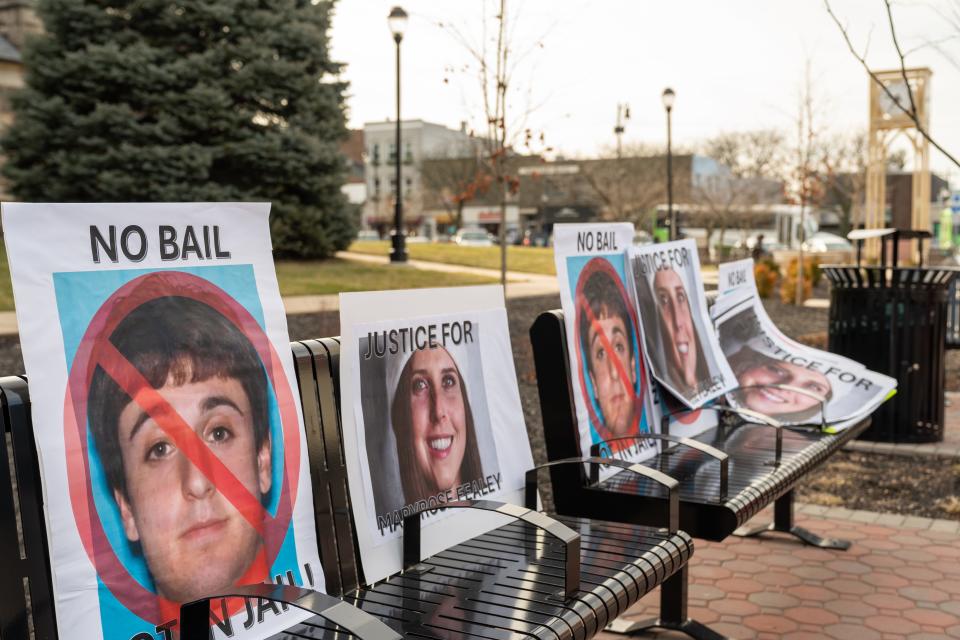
point(458, 220)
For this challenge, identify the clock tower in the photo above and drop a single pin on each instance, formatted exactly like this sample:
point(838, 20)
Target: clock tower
point(890, 106)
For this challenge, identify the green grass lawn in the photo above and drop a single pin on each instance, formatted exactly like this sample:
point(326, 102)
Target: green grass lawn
point(6, 289)
point(334, 276)
point(319, 277)
point(524, 259)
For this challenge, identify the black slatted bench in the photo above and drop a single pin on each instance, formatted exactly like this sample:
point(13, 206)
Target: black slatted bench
point(717, 496)
point(754, 479)
point(507, 583)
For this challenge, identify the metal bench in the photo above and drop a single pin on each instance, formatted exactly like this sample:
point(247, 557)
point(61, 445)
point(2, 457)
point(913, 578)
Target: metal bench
point(722, 486)
point(514, 580)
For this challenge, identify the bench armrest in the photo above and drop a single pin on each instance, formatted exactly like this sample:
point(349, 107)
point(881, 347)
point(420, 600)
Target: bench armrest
point(671, 485)
point(195, 616)
point(756, 416)
point(804, 392)
point(560, 531)
point(597, 450)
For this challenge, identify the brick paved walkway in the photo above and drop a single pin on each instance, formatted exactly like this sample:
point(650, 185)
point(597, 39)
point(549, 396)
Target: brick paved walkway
point(894, 582)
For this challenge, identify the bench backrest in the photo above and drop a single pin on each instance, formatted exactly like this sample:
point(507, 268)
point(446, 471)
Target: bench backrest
point(548, 336)
point(26, 595)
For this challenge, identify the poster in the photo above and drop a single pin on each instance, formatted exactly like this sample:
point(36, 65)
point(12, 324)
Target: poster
point(736, 282)
point(611, 388)
point(682, 349)
point(431, 415)
point(824, 388)
point(166, 413)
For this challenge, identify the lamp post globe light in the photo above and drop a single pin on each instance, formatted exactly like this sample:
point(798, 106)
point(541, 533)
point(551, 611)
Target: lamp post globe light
point(668, 98)
point(397, 21)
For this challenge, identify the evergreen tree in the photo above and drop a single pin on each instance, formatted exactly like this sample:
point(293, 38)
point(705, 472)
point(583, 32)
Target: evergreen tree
point(186, 100)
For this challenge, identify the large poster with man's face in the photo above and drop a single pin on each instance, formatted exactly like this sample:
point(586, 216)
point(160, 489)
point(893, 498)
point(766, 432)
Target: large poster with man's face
point(432, 415)
point(681, 345)
point(788, 381)
point(166, 413)
point(611, 387)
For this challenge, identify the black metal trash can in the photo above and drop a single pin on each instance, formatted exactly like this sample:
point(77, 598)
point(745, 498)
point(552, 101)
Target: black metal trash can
point(893, 320)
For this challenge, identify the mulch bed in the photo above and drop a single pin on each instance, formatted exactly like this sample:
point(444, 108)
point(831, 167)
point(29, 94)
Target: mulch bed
point(896, 484)
point(905, 485)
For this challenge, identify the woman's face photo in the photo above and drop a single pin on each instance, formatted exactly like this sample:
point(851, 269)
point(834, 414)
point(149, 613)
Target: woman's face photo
point(775, 402)
point(674, 310)
point(437, 417)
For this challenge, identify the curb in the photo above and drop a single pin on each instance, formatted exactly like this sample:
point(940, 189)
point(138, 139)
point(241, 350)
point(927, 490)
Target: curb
point(892, 520)
point(932, 450)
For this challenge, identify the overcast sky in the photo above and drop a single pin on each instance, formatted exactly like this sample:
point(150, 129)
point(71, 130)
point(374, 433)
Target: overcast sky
point(734, 64)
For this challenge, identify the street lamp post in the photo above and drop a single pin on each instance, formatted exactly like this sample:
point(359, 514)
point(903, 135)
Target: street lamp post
point(623, 114)
point(397, 20)
point(668, 98)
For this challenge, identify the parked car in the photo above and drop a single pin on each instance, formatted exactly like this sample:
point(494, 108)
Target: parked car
point(367, 235)
point(823, 242)
point(536, 238)
point(473, 237)
point(641, 238)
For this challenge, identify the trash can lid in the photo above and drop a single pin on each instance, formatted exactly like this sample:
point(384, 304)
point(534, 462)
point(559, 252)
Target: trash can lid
point(906, 234)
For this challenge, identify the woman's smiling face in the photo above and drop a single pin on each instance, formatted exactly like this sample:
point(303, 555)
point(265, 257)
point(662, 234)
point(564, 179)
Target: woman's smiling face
point(674, 309)
point(773, 402)
point(437, 417)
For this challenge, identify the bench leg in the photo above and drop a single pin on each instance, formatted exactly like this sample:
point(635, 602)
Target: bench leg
point(673, 614)
point(783, 522)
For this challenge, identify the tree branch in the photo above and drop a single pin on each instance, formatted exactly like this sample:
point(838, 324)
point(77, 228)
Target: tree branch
point(903, 64)
point(873, 76)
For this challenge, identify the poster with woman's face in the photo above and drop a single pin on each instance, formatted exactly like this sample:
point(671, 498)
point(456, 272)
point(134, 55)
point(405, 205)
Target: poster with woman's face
point(436, 418)
point(681, 346)
point(792, 383)
point(610, 380)
point(166, 413)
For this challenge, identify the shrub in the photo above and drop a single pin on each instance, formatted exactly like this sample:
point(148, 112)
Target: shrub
point(788, 285)
point(766, 273)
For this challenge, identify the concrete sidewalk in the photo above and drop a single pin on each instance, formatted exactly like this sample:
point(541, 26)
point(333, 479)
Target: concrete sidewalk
point(900, 579)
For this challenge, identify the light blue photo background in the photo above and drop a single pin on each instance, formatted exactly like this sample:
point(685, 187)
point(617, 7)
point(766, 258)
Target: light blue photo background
point(80, 295)
point(575, 265)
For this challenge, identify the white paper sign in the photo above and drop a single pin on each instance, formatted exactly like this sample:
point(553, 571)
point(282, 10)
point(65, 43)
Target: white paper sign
point(431, 414)
point(821, 386)
point(201, 481)
point(611, 385)
point(738, 283)
point(681, 346)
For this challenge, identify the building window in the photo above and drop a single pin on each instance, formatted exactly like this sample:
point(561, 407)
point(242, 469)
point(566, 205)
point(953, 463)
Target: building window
point(375, 155)
point(376, 187)
point(407, 153)
point(392, 158)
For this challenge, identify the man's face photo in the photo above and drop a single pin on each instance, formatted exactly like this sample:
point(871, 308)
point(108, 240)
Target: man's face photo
point(612, 371)
point(674, 309)
point(204, 374)
point(607, 342)
point(171, 508)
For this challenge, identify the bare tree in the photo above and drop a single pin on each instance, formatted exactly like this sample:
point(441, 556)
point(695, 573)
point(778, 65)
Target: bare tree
point(749, 154)
point(843, 170)
point(805, 185)
point(628, 186)
point(756, 161)
point(909, 107)
point(497, 62)
point(452, 181)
